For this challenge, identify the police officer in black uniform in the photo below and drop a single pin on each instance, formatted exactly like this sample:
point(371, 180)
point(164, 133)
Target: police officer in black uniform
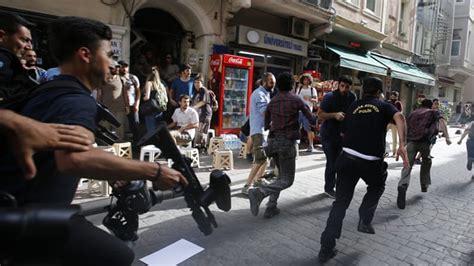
point(15, 37)
point(364, 131)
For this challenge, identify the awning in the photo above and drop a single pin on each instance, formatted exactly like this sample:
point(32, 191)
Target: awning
point(361, 61)
point(405, 71)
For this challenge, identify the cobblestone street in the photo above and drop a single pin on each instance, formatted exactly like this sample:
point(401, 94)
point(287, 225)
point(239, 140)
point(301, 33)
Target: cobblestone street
point(435, 228)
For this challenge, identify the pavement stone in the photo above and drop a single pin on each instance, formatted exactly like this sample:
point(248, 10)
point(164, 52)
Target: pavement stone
point(436, 228)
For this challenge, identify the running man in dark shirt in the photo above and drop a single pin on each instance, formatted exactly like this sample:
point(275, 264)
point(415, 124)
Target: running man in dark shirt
point(281, 117)
point(363, 147)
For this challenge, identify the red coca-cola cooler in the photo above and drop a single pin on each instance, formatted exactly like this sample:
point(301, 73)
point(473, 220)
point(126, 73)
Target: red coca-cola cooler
point(231, 80)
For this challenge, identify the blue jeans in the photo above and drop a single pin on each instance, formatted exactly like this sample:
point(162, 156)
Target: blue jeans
point(331, 149)
point(151, 121)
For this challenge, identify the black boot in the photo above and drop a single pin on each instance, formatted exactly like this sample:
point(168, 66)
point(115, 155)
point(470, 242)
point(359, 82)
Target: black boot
point(326, 253)
point(365, 227)
point(402, 191)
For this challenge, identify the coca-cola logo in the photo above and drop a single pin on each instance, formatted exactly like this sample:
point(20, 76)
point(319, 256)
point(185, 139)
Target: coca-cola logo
point(237, 61)
point(215, 62)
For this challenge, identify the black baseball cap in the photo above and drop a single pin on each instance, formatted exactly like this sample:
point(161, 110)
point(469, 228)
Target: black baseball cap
point(123, 63)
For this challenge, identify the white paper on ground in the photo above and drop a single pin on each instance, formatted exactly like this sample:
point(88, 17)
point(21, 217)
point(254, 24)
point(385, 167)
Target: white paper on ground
point(173, 254)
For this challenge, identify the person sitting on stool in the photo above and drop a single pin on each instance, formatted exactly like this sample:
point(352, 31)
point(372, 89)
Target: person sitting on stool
point(185, 122)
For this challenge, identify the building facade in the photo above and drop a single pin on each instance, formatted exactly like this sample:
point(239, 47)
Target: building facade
point(186, 29)
point(462, 51)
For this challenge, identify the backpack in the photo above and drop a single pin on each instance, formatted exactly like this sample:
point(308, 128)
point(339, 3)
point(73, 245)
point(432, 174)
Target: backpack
point(421, 128)
point(302, 88)
point(157, 103)
point(214, 103)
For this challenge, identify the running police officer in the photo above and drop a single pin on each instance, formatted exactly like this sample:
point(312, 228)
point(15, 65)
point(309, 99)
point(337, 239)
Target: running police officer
point(363, 147)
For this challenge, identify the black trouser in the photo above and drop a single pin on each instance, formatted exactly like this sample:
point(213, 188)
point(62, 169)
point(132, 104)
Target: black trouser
point(332, 149)
point(85, 245)
point(134, 124)
point(349, 169)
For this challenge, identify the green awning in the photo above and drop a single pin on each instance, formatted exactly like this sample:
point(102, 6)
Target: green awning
point(361, 61)
point(405, 71)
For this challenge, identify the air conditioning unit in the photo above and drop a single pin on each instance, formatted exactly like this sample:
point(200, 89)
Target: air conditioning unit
point(299, 28)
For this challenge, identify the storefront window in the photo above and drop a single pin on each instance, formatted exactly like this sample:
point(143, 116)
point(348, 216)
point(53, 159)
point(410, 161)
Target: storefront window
point(265, 62)
point(442, 92)
point(276, 60)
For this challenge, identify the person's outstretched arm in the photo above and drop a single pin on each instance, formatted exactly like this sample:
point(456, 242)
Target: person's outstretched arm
point(28, 136)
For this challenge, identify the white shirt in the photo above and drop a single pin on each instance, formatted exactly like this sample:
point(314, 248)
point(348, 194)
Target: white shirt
point(130, 85)
point(189, 116)
point(306, 91)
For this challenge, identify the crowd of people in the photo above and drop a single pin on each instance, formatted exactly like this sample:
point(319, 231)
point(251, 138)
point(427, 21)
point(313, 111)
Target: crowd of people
point(50, 136)
point(352, 135)
point(128, 96)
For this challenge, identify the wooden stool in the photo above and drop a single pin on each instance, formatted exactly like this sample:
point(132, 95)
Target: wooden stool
point(223, 159)
point(151, 151)
point(243, 150)
point(211, 133)
point(123, 149)
point(215, 143)
point(192, 154)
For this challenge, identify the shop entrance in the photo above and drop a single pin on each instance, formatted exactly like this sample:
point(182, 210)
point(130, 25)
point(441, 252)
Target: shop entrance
point(155, 33)
point(265, 62)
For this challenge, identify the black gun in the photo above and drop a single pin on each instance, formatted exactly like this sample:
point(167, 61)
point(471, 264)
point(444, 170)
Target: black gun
point(135, 198)
point(102, 134)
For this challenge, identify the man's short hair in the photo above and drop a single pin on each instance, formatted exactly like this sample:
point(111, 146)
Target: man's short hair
point(184, 67)
point(427, 103)
point(184, 96)
point(284, 81)
point(394, 93)
point(11, 23)
point(345, 79)
point(372, 85)
point(435, 100)
point(67, 34)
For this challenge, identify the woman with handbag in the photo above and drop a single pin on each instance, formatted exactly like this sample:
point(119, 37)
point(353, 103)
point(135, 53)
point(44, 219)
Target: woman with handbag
point(155, 100)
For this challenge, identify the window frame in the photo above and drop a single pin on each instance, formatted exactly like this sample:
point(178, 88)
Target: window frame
point(457, 41)
point(378, 9)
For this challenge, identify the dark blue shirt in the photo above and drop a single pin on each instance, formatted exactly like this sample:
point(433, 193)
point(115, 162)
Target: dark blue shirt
point(66, 105)
point(182, 87)
point(334, 102)
point(365, 126)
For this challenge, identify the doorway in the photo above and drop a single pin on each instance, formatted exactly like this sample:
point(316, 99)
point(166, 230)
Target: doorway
point(154, 34)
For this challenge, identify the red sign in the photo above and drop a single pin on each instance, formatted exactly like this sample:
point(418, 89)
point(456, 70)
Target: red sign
point(215, 63)
point(237, 60)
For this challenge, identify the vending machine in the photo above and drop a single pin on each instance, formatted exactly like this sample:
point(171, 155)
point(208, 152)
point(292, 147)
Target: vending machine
point(231, 80)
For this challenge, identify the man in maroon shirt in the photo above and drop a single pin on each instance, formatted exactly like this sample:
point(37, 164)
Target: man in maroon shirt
point(281, 117)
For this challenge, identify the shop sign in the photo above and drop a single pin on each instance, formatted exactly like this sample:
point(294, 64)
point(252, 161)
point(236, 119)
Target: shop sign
point(237, 60)
point(271, 41)
point(116, 47)
point(215, 63)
